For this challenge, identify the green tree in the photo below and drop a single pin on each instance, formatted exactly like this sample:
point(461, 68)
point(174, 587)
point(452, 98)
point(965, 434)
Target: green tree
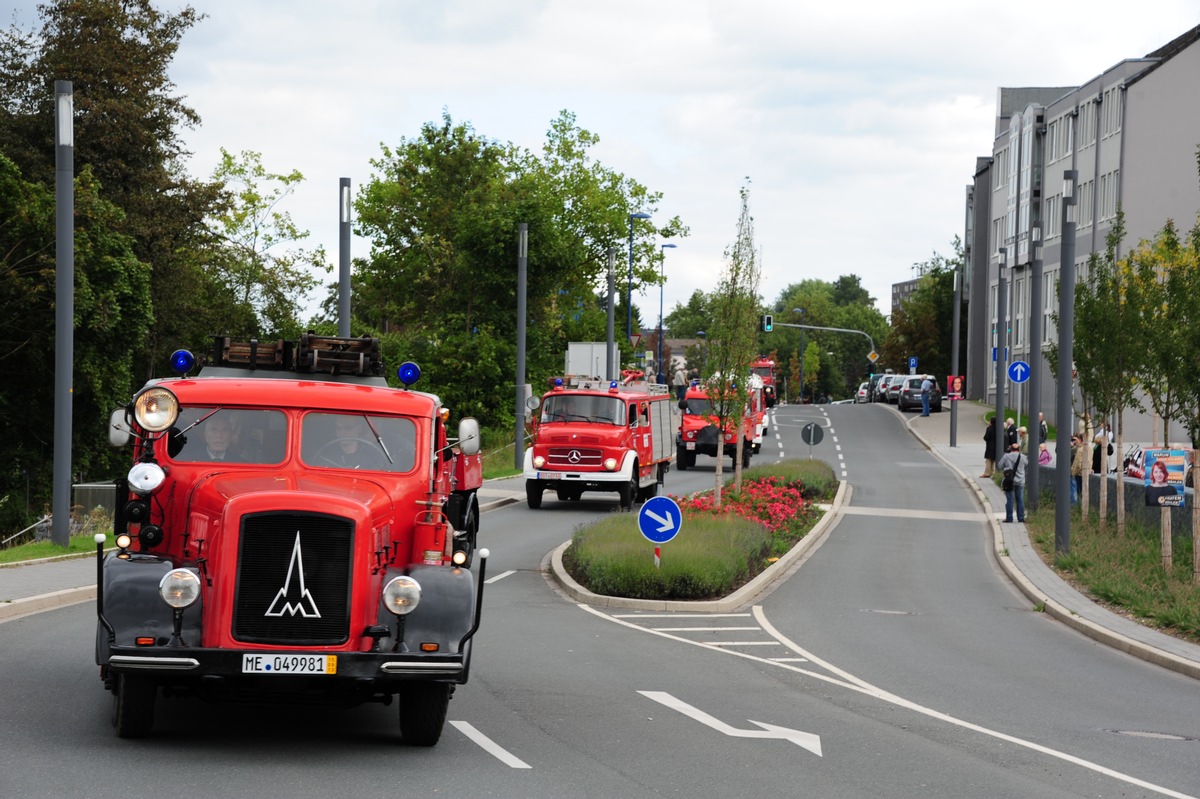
point(443, 212)
point(111, 308)
point(127, 127)
point(732, 341)
point(266, 275)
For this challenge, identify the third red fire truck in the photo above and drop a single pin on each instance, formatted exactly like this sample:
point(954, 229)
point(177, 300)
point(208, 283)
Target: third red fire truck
point(765, 368)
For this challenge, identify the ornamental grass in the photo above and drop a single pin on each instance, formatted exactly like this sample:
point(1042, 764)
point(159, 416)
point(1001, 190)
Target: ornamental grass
point(717, 549)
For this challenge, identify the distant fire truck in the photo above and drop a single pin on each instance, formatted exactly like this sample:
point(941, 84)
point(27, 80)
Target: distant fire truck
point(292, 530)
point(700, 431)
point(765, 368)
point(600, 436)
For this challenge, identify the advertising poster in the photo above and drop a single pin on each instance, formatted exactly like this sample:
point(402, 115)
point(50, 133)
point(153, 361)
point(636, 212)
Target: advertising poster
point(954, 386)
point(1164, 477)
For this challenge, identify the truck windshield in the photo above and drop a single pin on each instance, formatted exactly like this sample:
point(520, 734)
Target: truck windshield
point(701, 406)
point(583, 408)
point(358, 441)
point(215, 435)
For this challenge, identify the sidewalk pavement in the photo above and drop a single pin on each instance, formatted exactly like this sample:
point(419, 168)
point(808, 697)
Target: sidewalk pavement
point(35, 586)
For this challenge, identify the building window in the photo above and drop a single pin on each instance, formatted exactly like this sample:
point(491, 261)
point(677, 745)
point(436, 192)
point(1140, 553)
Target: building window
point(1087, 123)
point(1049, 305)
point(997, 235)
point(1111, 109)
point(1086, 193)
point(1052, 222)
point(1108, 194)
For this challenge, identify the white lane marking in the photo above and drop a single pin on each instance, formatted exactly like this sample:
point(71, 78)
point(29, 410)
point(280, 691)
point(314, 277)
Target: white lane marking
point(499, 576)
point(853, 683)
point(681, 615)
point(739, 643)
point(706, 629)
point(488, 745)
point(805, 740)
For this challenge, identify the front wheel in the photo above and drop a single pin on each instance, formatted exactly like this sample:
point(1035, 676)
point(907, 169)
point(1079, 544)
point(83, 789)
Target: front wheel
point(628, 490)
point(533, 494)
point(423, 708)
point(681, 458)
point(133, 706)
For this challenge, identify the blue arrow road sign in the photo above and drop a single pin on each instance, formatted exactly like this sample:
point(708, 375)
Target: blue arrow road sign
point(1018, 371)
point(660, 519)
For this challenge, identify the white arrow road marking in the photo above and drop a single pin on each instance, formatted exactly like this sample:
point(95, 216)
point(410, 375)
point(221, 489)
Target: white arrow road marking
point(805, 740)
point(664, 522)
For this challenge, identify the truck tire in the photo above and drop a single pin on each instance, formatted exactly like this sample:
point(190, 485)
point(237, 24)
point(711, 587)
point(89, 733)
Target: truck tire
point(133, 706)
point(533, 494)
point(629, 490)
point(681, 458)
point(423, 708)
point(468, 538)
point(746, 447)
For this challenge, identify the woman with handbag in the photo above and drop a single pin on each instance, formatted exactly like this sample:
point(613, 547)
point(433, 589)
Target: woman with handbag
point(1012, 465)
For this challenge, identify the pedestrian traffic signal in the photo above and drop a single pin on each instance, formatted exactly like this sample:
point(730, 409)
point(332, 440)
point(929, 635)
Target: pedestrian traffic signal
point(767, 324)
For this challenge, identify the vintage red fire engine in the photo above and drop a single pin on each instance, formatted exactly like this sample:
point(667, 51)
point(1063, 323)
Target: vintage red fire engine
point(292, 529)
point(701, 433)
point(765, 368)
point(598, 436)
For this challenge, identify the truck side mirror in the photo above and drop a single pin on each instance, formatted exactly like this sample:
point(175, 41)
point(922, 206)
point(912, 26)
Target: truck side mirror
point(469, 442)
point(118, 429)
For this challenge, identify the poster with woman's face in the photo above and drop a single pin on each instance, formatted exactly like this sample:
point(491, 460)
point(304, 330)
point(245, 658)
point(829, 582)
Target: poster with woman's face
point(954, 386)
point(1164, 477)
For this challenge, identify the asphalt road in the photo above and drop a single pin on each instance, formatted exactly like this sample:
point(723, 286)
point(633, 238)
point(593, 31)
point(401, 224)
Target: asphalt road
point(897, 661)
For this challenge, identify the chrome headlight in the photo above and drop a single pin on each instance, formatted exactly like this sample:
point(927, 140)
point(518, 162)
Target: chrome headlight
point(145, 477)
point(155, 409)
point(610, 464)
point(179, 588)
point(402, 595)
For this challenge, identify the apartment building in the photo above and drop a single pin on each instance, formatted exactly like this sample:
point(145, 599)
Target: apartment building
point(1132, 134)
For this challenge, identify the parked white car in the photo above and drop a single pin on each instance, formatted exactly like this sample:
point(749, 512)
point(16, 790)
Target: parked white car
point(863, 394)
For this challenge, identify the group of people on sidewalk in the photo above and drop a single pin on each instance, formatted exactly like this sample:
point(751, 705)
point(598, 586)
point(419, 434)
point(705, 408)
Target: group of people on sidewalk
point(1014, 449)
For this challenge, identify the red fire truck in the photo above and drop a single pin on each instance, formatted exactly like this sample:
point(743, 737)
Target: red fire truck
point(292, 530)
point(765, 368)
point(595, 436)
point(700, 431)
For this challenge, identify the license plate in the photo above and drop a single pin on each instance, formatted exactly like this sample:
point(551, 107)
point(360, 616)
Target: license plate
point(690, 445)
point(550, 475)
point(289, 664)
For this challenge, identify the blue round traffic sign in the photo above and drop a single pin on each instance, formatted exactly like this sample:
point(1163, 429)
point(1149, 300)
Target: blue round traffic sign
point(660, 519)
point(1018, 371)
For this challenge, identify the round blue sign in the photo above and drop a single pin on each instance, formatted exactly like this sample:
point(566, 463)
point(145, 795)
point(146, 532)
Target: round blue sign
point(660, 519)
point(1018, 371)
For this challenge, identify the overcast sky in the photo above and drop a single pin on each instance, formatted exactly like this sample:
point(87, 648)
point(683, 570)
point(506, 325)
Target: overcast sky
point(856, 125)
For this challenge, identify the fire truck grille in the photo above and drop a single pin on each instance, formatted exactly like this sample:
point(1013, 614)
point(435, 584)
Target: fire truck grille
point(575, 458)
point(293, 580)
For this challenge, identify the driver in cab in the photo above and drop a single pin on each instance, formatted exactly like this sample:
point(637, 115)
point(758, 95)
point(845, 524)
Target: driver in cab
point(351, 445)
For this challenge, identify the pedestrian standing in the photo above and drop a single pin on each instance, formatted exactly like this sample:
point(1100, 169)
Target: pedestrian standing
point(989, 448)
point(680, 381)
point(1023, 441)
point(926, 387)
point(1078, 459)
point(1043, 430)
point(1015, 490)
point(1010, 435)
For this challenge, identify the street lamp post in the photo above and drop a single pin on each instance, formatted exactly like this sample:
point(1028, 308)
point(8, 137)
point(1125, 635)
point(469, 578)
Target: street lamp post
point(1001, 349)
point(801, 312)
point(703, 335)
point(629, 293)
point(662, 279)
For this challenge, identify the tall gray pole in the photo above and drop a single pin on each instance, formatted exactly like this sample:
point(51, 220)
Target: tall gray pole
point(344, 257)
point(522, 286)
point(1066, 367)
point(610, 367)
point(64, 313)
point(801, 358)
point(1033, 476)
point(1001, 350)
point(957, 321)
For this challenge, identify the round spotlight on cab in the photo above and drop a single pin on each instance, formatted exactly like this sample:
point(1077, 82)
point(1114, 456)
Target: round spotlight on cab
point(402, 595)
point(124, 540)
point(155, 408)
point(179, 588)
point(458, 558)
point(145, 477)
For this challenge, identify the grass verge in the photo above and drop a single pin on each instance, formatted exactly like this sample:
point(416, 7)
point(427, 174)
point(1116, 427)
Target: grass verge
point(47, 549)
point(1124, 572)
point(717, 550)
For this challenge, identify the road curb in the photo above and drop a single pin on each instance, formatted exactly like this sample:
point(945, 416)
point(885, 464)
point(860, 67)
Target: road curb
point(739, 598)
point(1054, 609)
point(27, 606)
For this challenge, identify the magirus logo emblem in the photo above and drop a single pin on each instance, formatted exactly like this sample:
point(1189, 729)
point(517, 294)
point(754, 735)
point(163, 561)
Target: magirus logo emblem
point(289, 601)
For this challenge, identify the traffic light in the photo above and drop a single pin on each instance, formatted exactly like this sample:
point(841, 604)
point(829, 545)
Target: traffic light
point(767, 324)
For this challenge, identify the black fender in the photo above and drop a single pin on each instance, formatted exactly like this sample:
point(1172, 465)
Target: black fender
point(445, 613)
point(134, 609)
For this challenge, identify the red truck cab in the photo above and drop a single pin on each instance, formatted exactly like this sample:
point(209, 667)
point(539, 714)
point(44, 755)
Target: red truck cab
point(598, 436)
point(701, 433)
point(292, 529)
point(765, 369)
